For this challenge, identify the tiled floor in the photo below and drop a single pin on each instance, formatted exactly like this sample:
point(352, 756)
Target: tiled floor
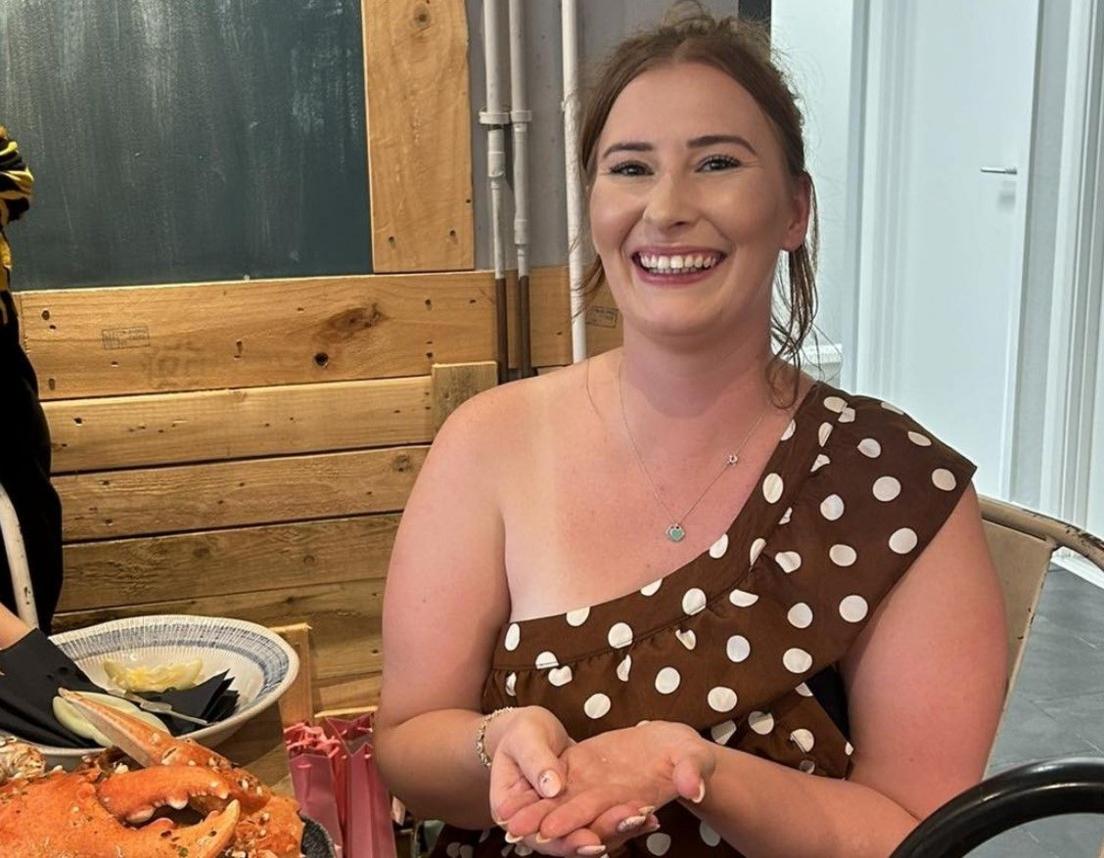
point(1057, 709)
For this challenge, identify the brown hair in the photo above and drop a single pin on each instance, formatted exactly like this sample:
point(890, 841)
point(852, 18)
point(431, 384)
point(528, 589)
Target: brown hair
point(741, 50)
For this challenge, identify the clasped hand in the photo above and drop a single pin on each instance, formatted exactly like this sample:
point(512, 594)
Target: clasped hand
point(562, 797)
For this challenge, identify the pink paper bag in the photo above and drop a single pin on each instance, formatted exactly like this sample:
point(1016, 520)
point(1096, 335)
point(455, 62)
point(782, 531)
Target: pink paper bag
point(366, 810)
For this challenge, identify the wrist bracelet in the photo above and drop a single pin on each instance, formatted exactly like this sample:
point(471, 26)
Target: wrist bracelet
point(481, 735)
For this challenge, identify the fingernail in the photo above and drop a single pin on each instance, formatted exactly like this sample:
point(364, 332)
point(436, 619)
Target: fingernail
point(646, 810)
point(513, 838)
point(542, 839)
point(653, 827)
point(631, 822)
point(591, 850)
point(701, 794)
point(549, 783)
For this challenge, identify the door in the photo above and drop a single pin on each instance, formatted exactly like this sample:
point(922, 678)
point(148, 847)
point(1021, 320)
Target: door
point(950, 92)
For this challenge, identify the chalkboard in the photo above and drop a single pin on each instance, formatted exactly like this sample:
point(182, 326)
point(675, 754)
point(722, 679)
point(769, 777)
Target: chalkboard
point(186, 140)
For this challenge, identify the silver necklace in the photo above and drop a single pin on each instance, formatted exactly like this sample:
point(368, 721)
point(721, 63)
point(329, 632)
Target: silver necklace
point(675, 531)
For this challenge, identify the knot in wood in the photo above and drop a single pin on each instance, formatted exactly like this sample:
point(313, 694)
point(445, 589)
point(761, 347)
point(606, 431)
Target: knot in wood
point(401, 463)
point(350, 322)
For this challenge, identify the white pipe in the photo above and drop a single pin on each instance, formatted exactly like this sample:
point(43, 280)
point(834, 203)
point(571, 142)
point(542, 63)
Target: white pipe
point(569, 28)
point(16, 552)
point(520, 116)
point(495, 117)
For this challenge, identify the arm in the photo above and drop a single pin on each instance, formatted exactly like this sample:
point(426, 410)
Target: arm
point(12, 628)
point(445, 600)
point(926, 683)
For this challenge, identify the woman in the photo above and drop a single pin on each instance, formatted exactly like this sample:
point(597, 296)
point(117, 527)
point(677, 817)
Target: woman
point(659, 590)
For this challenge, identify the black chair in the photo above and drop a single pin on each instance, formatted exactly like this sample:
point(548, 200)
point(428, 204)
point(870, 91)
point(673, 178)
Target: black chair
point(1005, 801)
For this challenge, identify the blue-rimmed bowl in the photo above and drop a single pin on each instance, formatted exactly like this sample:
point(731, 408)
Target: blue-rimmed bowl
point(261, 663)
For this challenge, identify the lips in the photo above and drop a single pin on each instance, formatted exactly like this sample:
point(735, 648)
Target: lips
point(669, 266)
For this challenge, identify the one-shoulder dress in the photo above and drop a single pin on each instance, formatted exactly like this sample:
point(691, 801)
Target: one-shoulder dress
point(743, 642)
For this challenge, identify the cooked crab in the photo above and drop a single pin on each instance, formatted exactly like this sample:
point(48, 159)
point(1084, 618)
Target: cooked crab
point(105, 809)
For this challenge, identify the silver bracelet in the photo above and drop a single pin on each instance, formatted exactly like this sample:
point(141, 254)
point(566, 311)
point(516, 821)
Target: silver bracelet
point(481, 735)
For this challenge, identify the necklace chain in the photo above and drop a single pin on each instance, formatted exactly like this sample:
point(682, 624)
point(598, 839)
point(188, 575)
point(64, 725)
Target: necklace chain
point(675, 531)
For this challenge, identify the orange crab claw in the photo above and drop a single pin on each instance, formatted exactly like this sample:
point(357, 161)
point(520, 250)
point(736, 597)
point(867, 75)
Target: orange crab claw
point(146, 745)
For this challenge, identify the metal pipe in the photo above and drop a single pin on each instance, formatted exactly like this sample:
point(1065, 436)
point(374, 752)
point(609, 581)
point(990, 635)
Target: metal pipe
point(520, 116)
point(569, 29)
point(495, 118)
point(16, 552)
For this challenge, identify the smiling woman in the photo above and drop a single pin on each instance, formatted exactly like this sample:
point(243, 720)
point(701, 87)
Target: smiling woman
point(682, 576)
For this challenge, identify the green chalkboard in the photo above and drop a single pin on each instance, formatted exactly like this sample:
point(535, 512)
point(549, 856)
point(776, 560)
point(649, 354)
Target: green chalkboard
point(186, 140)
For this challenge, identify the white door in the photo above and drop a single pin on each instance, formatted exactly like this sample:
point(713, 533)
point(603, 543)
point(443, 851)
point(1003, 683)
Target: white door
point(948, 128)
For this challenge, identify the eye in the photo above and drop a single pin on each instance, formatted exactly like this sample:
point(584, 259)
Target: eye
point(629, 168)
point(715, 163)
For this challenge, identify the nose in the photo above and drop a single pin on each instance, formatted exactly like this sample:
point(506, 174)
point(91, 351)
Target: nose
point(669, 205)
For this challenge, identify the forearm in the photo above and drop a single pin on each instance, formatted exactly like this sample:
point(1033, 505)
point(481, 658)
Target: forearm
point(12, 628)
point(430, 762)
point(767, 810)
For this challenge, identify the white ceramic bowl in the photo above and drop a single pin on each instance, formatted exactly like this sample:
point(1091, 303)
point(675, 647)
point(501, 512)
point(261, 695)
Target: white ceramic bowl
point(261, 663)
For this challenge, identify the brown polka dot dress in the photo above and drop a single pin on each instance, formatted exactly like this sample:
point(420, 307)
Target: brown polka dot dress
point(743, 641)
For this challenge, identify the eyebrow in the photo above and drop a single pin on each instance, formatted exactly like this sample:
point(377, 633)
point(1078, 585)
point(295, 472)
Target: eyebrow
point(694, 143)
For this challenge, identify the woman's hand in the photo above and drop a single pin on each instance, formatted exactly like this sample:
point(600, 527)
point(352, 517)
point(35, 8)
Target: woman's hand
point(614, 782)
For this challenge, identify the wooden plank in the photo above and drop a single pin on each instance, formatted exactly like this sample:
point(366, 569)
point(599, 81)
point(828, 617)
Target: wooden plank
point(259, 747)
point(344, 619)
point(348, 692)
point(419, 134)
point(146, 339)
point(211, 425)
point(114, 504)
point(297, 704)
point(121, 341)
point(454, 383)
point(147, 570)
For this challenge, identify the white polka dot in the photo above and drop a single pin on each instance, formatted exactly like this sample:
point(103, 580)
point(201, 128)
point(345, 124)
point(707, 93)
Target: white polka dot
point(903, 541)
point(761, 722)
point(756, 547)
point(853, 609)
point(834, 403)
point(620, 635)
point(722, 699)
point(919, 440)
point(560, 675)
point(820, 461)
point(849, 749)
point(738, 648)
point(717, 549)
point(742, 598)
point(722, 732)
point(658, 843)
point(786, 516)
point(596, 706)
point(800, 616)
point(892, 408)
point(789, 431)
point(823, 433)
point(847, 415)
point(708, 835)
point(772, 488)
point(511, 684)
point(547, 659)
point(522, 850)
point(693, 602)
point(578, 617)
point(667, 680)
point(687, 638)
point(651, 589)
point(944, 479)
point(467, 851)
point(797, 660)
point(623, 668)
point(484, 834)
point(513, 637)
point(887, 488)
point(870, 448)
point(788, 560)
point(832, 507)
point(453, 850)
point(843, 555)
point(803, 739)
point(803, 690)
point(807, 766)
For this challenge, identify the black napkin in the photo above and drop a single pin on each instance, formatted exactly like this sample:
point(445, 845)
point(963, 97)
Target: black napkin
point(33, 669)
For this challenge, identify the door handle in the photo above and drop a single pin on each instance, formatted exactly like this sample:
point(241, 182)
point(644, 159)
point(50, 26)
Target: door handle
point(1002, 171)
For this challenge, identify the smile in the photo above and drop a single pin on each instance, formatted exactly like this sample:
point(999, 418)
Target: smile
point(688, 263)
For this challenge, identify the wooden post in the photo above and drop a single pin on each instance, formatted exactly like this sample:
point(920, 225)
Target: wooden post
point(297, 704)
point(453, 383)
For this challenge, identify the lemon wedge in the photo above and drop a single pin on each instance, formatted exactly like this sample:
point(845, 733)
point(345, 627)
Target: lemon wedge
point(161, 677)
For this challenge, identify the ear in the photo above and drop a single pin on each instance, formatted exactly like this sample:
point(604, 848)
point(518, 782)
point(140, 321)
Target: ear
point(801, 208)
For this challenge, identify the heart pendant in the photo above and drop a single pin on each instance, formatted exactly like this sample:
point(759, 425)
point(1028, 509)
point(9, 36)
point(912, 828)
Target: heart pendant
point(675, 532)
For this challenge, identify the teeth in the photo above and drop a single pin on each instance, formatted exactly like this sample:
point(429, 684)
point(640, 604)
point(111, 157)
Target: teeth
point(680, 263)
